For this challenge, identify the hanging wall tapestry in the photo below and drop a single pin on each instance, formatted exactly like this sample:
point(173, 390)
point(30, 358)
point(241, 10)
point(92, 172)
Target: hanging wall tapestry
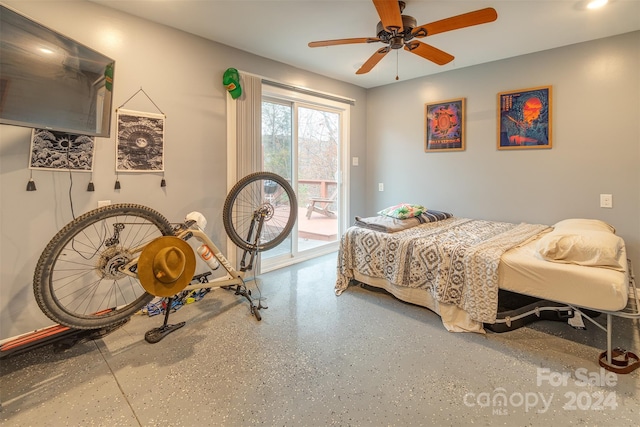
point(140, 142)
point(53, 150)
point(524, 118)
point(444, 126)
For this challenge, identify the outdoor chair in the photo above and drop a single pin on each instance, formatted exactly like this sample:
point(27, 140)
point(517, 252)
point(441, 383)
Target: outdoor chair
point(321, 205)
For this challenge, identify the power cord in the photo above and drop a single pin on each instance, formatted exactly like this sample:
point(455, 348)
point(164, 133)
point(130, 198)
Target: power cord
point(70, 198)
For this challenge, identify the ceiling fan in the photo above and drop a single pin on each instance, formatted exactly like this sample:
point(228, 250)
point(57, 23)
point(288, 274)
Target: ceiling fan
point(397, 30)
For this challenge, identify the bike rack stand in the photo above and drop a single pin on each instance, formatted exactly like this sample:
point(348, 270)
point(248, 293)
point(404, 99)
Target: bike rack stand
point(156, 334)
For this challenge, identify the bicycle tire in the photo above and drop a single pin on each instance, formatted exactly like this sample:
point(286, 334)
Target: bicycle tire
point(76, 282)
point(266, 192)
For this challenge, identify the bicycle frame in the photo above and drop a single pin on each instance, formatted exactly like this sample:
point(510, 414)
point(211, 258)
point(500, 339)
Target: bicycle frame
point(233, 277)
point(186, 232)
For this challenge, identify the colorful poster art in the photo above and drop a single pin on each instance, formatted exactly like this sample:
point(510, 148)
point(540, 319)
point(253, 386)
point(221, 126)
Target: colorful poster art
point(525, 118)
point(444, 126)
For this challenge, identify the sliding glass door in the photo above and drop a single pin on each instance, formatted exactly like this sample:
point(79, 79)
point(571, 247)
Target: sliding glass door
point(303, 140)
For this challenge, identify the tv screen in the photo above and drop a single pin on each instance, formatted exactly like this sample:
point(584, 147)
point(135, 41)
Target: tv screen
point(48, 81)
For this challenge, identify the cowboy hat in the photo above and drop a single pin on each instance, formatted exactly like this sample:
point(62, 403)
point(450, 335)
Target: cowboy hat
point(166, 266)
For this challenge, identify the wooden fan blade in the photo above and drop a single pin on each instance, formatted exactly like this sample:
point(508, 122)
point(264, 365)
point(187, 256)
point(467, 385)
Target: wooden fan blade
point(481, 16)
point(429, 52)
point(373, 60)
point(344, 41)
point(389, 12)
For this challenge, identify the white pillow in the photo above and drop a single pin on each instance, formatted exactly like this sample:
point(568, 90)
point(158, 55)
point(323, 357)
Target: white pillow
point(581, 224)
point(593, 248)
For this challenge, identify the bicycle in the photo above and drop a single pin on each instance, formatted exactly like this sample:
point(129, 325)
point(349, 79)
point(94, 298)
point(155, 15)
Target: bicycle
point(109, 263)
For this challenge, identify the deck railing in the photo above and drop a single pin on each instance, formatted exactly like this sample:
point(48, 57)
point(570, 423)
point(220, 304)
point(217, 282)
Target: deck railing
point(317, 187)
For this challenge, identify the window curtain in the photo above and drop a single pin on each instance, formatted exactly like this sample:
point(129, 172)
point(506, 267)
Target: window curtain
point(248, 126)
point(244, 140)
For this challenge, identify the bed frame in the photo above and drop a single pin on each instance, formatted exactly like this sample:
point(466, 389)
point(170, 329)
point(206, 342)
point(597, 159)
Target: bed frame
point(617, 360)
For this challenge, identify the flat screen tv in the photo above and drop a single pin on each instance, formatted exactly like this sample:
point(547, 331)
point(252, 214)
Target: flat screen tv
point(48, 81)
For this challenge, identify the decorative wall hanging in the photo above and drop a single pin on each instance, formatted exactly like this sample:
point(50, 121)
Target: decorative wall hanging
point(444, 126)
point(524, 119)
point(52, 150)
point(140, 142)
point(231, 81)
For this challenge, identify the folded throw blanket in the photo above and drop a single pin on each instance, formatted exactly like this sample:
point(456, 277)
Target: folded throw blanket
point(387, 224)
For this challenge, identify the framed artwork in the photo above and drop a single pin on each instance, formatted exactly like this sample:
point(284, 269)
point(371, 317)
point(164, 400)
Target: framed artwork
point(140, 142)
point(444, 126)
point(524, 119)
point(53, 150)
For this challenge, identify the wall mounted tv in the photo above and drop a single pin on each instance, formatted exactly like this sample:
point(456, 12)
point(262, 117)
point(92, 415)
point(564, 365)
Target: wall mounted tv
point(48, 81)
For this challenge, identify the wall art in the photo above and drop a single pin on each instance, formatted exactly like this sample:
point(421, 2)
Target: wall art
point(524, 119)
point(53, 150)
point(444, 126)
point(140, 142)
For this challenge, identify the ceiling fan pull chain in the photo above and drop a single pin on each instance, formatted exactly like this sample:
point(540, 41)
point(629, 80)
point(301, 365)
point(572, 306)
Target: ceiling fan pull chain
point(397, 78)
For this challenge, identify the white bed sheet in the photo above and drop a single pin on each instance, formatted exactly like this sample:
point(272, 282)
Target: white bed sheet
point(601, 289)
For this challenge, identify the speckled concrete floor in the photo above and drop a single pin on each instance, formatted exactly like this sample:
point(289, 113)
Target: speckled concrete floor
point(361, 359)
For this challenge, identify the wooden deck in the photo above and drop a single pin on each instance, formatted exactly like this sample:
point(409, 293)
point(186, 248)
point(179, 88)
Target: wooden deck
point(318, 227)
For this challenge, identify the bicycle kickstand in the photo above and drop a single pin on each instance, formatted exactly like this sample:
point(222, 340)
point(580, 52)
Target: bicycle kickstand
point(243, 291)
point(156, 334)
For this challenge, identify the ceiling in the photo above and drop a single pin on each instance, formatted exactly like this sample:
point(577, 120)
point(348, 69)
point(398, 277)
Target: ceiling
point(281, 29)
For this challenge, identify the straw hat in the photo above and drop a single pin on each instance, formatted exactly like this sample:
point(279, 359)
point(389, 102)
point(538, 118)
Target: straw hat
point(166, 266)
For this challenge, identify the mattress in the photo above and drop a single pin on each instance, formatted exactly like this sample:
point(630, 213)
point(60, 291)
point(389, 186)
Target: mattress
point(602, 289)
point(519, 269)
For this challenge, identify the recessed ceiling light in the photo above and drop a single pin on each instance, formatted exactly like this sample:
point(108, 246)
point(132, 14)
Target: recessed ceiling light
point(595, 4)
point(45, 50)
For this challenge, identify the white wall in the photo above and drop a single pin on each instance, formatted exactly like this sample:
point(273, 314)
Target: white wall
point(183, 75)
point(596, 141)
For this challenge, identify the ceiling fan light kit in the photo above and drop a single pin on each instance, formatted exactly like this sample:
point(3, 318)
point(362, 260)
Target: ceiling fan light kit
point(400, 31)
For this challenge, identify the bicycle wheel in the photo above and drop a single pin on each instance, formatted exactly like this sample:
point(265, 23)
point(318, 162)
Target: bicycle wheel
point(260, 194)
point(77, 281)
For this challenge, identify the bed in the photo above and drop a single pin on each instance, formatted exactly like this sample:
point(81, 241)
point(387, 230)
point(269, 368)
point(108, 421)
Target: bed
point(456, 267)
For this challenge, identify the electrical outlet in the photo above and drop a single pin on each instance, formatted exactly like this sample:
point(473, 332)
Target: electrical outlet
point(102, 203)
point(606, 201)
point(380, 186)
point(355, 161)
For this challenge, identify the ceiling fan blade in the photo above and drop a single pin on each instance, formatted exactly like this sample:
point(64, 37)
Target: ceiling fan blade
point(344, 41)
point(477, 17)
point(373, 60)
point(389, 12)
point(429, 52)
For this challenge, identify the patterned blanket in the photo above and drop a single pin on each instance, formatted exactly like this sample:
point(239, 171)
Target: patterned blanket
point(456, 259)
